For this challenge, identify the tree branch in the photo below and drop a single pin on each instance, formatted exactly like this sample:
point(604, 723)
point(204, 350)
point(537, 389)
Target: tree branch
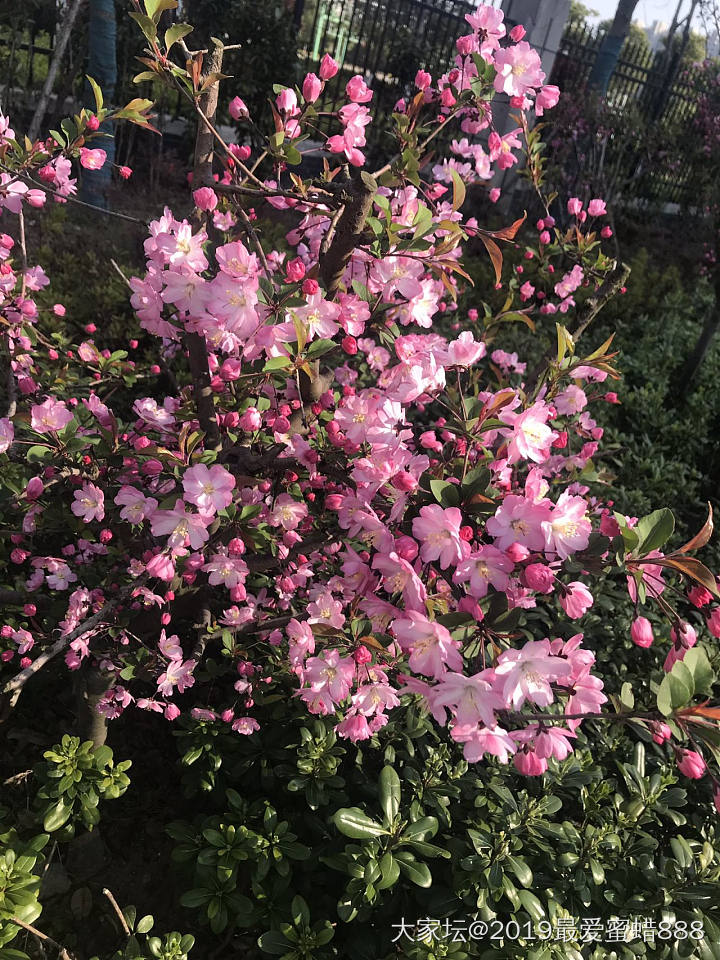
point(348, 232)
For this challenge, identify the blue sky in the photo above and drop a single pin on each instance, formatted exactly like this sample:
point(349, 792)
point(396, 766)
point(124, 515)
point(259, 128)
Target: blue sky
point(646, 11)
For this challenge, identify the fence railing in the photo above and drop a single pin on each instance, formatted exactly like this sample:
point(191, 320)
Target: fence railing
point(657, 87)
point(386, 41)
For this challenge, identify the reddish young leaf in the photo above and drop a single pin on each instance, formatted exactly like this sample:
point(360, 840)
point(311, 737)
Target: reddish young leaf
point(703, 536)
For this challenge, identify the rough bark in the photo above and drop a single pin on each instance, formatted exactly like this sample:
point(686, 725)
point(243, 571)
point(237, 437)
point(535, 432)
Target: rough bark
point(348, 232)
point(91, 684)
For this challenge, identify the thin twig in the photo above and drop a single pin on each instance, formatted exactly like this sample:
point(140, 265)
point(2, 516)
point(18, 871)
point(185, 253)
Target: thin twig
point(63, 953)
point(117, 910)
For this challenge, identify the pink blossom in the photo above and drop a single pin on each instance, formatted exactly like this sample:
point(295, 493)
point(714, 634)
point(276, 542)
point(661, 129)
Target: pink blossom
point(568, 529)
point(50, 416)
point(7, 434)
point(205, 198)
point(332, 673)
point(208, 488)
point(439, 531)
point(180, 527)
point(178, 673)
point(328, 67)
point(89, 503)
point(432, 650)
point(690, 764)
point(530, 437)
point(136, 506)
point(465, 351)
point(357, 90)
point(547, 98)
point(519, 70)
point(641, 632)
point(486, 567)
point(597, 208)
point(92, 159)
point(471, 699)
point(287, 512)
point(526, 673)
point(575, 599)
point(311, 88)
point(237, 108)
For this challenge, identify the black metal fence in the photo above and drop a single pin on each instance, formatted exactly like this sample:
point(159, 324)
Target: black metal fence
point(651, 95)
point(386, 41)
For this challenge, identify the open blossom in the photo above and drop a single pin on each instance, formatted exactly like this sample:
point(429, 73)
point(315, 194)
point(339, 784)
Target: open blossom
point(92, 159)
point(530, 437)
point(330, 673)
point(439, 531)
point(136, 507)
point(180, 526)
point(486, 567)
point(89, 503)
point(519, 69)
point(432, 650)
point(178, 673)
point(226, 570)
point(50, 416)
point(528, 672)
point(287, 512)
point(471, 699)
point(568, 528)
point(208, 488)
point(487, 22)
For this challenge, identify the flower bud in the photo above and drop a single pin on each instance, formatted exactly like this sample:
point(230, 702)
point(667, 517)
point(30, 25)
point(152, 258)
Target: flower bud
point(641, 632)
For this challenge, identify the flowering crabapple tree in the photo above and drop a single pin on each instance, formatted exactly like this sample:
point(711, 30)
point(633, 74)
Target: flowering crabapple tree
point(351, 494)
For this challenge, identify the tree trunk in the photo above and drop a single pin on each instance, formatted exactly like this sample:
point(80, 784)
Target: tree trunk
point(91, 684)
point(62, 35)
point(102, 67)
point(609, 52)
point(687, 379)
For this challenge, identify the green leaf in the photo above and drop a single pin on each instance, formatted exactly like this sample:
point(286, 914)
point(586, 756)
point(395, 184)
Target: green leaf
point(57, 816)
point(146, 25)
point(319, 347)
point(676, 689)
point(627, 698)
point(445, 493)
point(353, 823)
point(696, 661)
point(97, 93)
point(417, 873)
point(655, 529)
point(155, 7)
point(145, 924)
point(531, 905)
point(389, 793)
point(196, 897)
point(276, 363)
point(420, 829)
point(300, 912)
point(176, 32)
point(390, 870)
point(273, 942)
